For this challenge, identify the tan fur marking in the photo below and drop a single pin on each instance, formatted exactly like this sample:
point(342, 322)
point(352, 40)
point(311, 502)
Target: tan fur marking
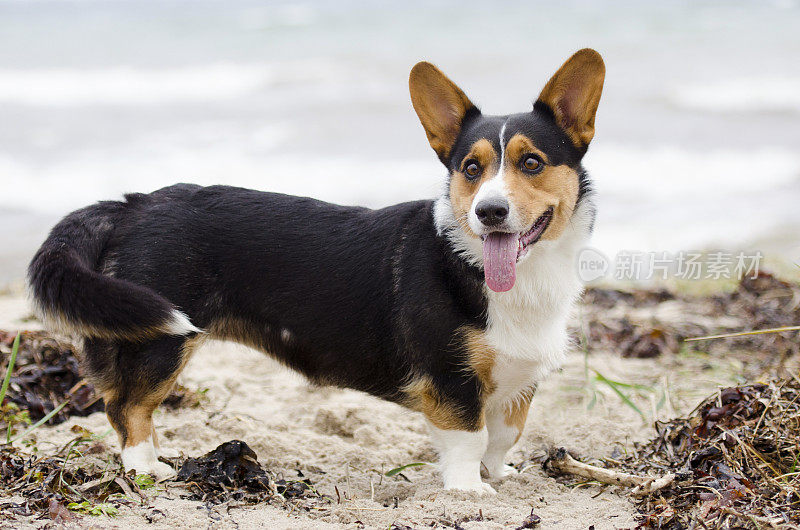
point(463, 191)
point(439, 104)
point(517, 414)
point(532, 195)
point(482, 357)
point(56, 321)
point(238, 331)
point(573, 94)
point(138, 416)
point(138, 424)
point(423, 397)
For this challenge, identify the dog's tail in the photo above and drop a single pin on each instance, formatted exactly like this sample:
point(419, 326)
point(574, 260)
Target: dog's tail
point(70, 295)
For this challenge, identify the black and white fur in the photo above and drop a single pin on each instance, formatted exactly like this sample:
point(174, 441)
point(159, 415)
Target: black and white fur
point(374, 300)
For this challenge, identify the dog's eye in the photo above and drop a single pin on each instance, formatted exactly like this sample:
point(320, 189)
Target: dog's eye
point(472, 169)
point(531, 164)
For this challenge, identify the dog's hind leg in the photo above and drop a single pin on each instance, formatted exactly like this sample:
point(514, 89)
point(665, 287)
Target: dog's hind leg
point(135, 379)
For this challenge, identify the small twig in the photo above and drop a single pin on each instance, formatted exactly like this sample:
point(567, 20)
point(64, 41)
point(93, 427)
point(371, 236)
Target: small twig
point(561, 461)
point(745, 333)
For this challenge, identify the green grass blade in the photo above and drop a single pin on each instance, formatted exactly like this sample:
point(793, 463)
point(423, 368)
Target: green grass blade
point(397, 470)
point(11, 361)
point(613, 386)
point(39, 423)
point(620, 384)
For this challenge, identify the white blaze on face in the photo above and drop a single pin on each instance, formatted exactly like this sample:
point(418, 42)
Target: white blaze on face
point(499, 247)
point(494, 188)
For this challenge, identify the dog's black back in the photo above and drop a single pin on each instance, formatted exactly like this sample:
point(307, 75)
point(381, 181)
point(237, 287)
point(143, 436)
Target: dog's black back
point(368, 299)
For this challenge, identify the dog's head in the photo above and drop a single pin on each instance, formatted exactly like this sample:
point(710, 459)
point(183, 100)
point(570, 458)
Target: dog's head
point(513, 179)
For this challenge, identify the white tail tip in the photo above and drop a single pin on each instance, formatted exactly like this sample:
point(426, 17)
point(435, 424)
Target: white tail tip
point(180, 325)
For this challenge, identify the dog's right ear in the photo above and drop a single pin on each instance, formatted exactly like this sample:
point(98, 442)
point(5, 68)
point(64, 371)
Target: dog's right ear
point(440, 105)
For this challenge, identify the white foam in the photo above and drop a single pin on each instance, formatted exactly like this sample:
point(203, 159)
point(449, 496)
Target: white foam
point(680, 198)
point(668, 198)
point(83, 177)
point(127, 85)
point(668, 171)
point(755, 94)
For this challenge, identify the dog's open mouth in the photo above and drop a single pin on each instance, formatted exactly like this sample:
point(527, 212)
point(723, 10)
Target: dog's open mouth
point(502, 250)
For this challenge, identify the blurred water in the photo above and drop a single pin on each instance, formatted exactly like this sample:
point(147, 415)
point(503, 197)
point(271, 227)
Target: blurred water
point(697, 132)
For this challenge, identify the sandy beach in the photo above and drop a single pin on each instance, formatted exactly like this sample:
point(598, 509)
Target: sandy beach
point(695, 152)
point(344, 441)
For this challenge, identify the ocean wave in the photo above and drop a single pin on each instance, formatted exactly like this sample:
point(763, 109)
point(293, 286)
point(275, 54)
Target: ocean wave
point(126, 85)
point(90, 176)
point(668, 199)
point(741, 95)
point(671, 172)
point(660, 198)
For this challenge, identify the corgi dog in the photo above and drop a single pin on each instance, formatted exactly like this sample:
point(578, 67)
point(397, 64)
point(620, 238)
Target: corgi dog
point(454, 307)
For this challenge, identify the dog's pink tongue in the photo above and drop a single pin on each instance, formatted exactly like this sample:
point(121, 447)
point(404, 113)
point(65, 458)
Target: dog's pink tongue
point(500, 260)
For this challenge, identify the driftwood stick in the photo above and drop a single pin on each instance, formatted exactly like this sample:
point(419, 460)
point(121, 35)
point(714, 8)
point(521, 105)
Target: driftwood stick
point(560, 461)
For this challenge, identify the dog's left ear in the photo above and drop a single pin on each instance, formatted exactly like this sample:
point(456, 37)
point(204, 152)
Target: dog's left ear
point(440, 105)
point(573, 94)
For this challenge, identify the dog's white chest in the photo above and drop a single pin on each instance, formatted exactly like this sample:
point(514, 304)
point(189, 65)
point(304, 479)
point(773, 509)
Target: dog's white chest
point(527, 326)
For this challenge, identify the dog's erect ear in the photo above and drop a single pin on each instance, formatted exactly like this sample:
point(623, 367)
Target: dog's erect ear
point(573, 94)
point(440, 105)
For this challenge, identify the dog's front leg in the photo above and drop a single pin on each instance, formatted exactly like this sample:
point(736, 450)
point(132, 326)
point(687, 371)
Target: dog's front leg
point(460, 455)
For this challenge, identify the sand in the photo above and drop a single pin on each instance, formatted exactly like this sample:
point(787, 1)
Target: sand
point(345, 440)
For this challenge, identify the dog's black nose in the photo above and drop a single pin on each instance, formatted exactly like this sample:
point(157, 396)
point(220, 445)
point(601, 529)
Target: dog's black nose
point(492, 212)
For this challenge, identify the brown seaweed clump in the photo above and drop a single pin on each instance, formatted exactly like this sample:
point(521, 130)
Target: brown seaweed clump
point(54, 486)
point(741, 448)
point(231, 472)
point(47, 373)
point(648, 323)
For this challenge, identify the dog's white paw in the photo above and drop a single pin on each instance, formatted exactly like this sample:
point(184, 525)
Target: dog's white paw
point(487, 489)
point(500, 471)
point(143, 460)
point(162, 471)
point(480, 487)
point(159, 470)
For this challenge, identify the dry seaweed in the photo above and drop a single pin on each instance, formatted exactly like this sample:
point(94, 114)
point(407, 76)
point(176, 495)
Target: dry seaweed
point(741, 449)
point(51, 486)
point(47, 373)
point(760, 303)
point(34, 485)
point(232, 472)
point(632, 323)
